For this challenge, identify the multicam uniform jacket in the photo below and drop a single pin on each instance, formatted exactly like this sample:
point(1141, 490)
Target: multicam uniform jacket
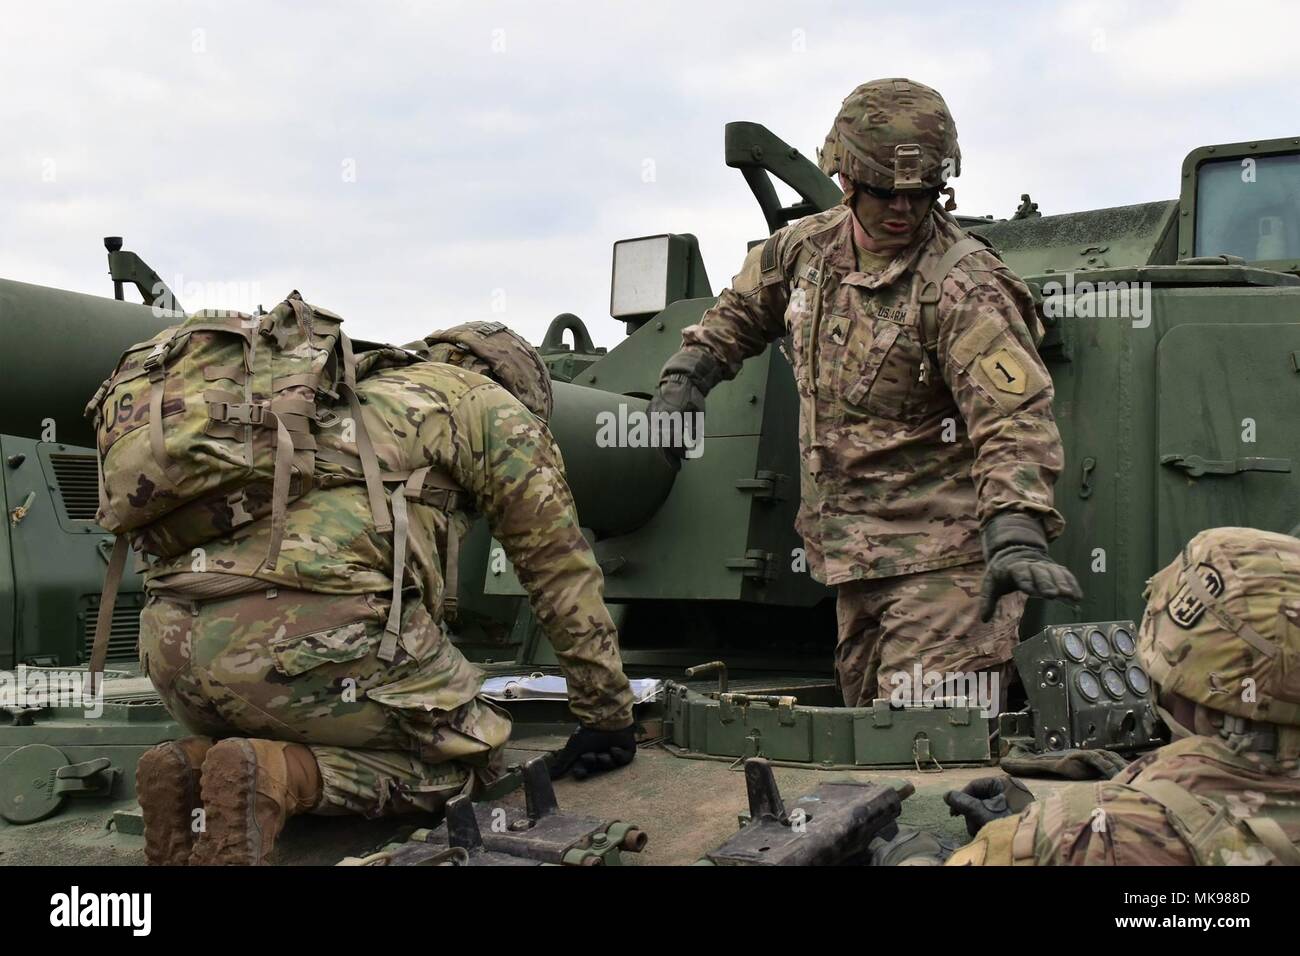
point(476, 433)
point(1124, 821)
point(906, 450)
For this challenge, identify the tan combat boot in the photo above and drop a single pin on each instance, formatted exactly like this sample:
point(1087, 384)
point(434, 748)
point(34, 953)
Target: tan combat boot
point(250, 787)
point(167, 786)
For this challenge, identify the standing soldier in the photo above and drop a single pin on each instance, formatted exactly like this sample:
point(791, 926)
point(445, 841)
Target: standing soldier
point(331, 676)
point(927, 441)
point(1221, 640)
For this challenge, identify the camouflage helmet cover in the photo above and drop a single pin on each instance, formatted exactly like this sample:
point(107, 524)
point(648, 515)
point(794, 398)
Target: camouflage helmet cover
point(504, 356)
point(1222, 624)
point(893, 134)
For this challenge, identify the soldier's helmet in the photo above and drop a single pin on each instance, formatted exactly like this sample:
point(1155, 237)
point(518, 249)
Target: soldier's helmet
point(893, 134)
point(1222, 624)
point(503, 356)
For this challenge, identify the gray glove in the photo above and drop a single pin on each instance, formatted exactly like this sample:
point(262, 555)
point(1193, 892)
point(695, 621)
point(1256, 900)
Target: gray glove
point(910, 847)
point(684, 382)
point(1015, 549)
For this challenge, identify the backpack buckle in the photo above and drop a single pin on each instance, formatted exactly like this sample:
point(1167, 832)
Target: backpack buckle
point(237, 414)
point(153, 362)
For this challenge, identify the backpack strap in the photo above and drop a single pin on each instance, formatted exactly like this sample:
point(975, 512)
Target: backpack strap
point(932, 278)
point(1197, 824)
point(1225, 617)
point(279, 488)
point(365, 450)
point(107, 601)
point(438, 490)
point(105, 513)
point(1177, 801)
point(1270, 833)
point(392, 630)
point(155, 366)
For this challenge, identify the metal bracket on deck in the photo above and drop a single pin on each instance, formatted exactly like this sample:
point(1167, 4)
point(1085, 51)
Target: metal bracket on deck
point(493, 834)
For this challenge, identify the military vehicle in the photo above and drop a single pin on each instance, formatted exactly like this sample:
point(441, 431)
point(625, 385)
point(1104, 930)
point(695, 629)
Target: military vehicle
point(1173, 343)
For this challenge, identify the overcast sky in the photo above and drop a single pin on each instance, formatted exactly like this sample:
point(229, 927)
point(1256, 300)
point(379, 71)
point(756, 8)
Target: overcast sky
point(414, 165)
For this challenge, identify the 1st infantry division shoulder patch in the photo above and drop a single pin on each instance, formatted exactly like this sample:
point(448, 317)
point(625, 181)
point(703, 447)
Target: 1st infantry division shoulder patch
point(1005, 372)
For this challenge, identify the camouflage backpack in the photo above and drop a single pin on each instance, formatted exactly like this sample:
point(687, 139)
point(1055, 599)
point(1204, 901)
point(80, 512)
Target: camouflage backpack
point(209, 426)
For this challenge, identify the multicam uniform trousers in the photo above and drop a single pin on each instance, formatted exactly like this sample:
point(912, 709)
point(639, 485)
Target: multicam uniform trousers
point(299, 666)
point(890, 626)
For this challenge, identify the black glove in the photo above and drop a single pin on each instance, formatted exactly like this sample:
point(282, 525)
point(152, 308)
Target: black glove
point(594, 751)
point(1015, 548)
point(684, 382)
point(986, 799)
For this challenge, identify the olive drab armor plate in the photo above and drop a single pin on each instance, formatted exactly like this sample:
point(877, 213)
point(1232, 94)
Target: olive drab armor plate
point(1236, 461)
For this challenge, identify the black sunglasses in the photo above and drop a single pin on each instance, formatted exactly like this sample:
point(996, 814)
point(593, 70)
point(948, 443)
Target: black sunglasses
point(887, 195)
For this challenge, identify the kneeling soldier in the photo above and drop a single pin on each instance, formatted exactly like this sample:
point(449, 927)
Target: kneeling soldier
point(330, 676)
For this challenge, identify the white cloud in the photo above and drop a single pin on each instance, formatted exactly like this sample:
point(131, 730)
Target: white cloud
point(504, 146)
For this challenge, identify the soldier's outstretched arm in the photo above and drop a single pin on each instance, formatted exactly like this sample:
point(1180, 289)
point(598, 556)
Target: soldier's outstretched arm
point(506, 459)
point(1004, 393)
point(747, 316)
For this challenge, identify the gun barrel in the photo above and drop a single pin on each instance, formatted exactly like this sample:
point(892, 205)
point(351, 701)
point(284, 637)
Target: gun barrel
point(59, 346)
point(618, 481)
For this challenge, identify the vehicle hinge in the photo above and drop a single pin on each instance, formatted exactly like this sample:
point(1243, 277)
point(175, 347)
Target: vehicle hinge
point(768, 486)
point(91, 777)
point(757, 564)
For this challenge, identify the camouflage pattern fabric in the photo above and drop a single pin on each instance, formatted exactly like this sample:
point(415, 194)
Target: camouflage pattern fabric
point(181, 463)
point(505, 460)
point(878, 116)
point(1223, 618)
point(1220, 636)
point(505, 357)
point(911, 449)
point(303, 667)
point(1113, 824)
point(890, 625)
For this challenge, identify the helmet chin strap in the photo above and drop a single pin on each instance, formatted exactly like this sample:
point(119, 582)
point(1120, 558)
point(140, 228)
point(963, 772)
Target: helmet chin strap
point(950, 203)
